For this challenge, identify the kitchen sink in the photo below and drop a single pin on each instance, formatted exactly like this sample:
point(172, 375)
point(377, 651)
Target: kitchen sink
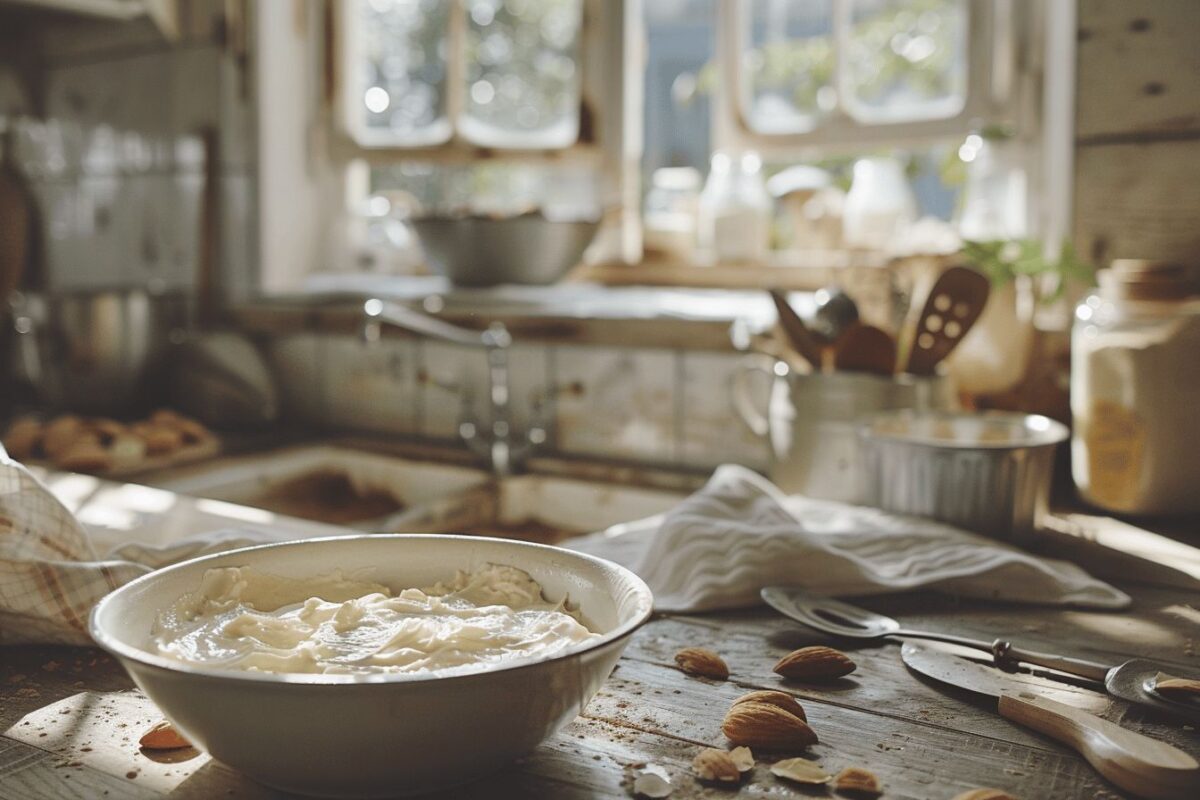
point(537, 508)
point(369, 491)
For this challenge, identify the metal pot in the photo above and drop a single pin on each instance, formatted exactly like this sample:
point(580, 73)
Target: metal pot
point(987, 472)
point(811, 422)
point(92, 351)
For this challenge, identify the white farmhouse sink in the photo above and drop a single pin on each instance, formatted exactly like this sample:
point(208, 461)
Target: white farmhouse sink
point(334, 485)
point(369, 491)
point(536, 508)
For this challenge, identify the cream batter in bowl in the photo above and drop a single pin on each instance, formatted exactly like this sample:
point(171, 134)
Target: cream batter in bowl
point(242, 619)
point(374, 665)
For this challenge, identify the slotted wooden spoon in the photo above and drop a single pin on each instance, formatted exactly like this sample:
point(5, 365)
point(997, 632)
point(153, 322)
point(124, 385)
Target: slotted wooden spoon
point(954, 304)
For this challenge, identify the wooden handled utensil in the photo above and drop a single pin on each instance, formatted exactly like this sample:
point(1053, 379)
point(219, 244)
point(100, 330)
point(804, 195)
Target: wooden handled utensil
point(1140, 765)
point(954, 304)
point(865, 348)
point(798, 334)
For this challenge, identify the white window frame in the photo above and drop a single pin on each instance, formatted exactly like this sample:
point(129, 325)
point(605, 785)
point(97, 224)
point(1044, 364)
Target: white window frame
point(610, 137)
point(1020, 74)
point(992, 88)
point(314, 171)
point(349, 109)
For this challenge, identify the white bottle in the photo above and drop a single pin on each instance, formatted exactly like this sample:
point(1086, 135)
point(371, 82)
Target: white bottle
point(880, 205)
point(734, 219)
point(994, 195)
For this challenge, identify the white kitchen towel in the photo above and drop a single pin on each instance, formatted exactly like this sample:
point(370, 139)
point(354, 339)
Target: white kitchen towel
point(50, 575)
point(739, 533)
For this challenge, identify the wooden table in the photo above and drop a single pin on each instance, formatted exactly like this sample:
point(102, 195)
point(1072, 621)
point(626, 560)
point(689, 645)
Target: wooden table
point(71, 718)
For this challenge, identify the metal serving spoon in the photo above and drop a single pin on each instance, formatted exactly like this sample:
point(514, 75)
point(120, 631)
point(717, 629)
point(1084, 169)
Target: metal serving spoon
point(1134, 680)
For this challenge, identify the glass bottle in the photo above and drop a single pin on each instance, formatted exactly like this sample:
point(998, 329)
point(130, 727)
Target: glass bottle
point(880, 205)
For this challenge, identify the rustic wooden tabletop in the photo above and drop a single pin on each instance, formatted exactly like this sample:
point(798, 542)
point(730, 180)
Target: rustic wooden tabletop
point(71, 718)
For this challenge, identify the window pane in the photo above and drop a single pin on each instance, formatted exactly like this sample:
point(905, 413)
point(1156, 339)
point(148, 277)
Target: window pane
point(678, 83)
point(494, 188)
point(400, 75)
point(788, 64)
point(907, 59)
point(522, 73)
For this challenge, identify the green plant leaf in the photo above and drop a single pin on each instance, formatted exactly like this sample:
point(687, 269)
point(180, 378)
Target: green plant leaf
point(1003, 260)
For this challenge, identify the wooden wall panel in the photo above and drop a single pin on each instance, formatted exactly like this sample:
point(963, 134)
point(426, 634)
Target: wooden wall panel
point(1139, 67)
point(1139, 200)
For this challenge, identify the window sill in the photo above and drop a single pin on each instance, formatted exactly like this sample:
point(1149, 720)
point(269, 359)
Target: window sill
point(572, 312)
point(653, 304)
point(781, 270)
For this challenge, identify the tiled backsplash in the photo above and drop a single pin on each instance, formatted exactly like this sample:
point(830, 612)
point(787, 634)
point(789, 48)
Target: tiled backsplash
point(645, 405)
point(117, 166)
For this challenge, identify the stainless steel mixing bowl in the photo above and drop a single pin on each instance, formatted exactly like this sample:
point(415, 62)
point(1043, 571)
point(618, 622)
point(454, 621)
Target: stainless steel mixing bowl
point(480, 251)
point(90, 351)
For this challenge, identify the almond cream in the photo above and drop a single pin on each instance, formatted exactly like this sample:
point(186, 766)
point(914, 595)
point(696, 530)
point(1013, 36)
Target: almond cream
point(241, 619)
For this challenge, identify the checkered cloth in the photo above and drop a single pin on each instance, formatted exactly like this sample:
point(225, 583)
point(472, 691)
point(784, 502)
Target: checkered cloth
point(50, 575)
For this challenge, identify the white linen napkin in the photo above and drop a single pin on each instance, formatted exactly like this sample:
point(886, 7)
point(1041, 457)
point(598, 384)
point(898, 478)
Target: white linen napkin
point(739, 533)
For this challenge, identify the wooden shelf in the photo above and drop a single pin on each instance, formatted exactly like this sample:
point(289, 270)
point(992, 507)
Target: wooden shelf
point(794, 272)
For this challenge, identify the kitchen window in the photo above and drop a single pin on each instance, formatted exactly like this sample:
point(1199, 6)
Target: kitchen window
point(834, 75)
point(483, 73)
point(506, 106)
point(496, 106)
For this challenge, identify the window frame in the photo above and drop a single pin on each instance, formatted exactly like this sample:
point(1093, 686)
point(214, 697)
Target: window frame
point(610, 108)
point(992, 89)
point(313, 171)
point(354, 140)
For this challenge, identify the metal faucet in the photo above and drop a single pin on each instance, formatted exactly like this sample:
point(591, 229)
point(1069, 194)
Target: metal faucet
point(500, 450)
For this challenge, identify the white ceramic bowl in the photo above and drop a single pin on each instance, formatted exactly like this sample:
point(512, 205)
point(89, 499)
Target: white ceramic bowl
point(391, 734)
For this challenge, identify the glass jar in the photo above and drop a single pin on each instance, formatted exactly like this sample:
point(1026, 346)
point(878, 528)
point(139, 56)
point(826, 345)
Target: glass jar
point(734, 224)
point(669, 219)
point(1135, 390)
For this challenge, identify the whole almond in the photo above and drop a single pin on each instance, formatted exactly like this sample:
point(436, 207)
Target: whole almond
point(712, 764)
point(781, 699)
point(163, 736)
point(800, 770)
point(770, 727)
point(984, 794)
point(856, 780)
point(698, 661)
point(815, 664)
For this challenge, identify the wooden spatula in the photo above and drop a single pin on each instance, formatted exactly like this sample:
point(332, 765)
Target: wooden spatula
point(798, 334)
point(954, 304)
